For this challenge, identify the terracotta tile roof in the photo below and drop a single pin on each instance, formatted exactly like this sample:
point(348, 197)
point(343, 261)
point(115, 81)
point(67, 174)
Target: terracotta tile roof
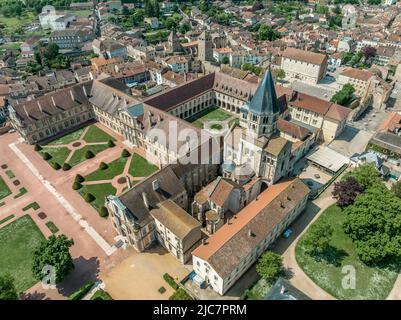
point(305, 101)
point(222, 191)
point(292, 129)
point(305, 56)
point(233, 242)
point(357, 74)
point(337, 112)
point(392, 122)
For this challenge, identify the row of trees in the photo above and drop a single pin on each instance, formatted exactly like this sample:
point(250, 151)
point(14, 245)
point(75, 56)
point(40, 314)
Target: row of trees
point(53, 252)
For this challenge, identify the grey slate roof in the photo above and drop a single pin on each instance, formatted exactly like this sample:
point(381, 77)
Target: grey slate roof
point(264, 101)
point(284, 290)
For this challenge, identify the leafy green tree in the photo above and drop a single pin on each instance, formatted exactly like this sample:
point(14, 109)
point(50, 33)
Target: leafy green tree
point(345, 96)
point(266, 32)
point(279, 73)
point(7, 287)
point(51, 51)
point(373, 222)
point(396, 188)
point(270, 266)
point(226, 60)
point(317, 239)
point(53, 252)
point(366, 175)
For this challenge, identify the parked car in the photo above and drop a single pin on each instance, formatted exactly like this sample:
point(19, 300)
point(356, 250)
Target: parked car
point(287, 233)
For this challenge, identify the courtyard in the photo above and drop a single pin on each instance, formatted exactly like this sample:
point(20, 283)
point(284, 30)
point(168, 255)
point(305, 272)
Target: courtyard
point(111, 179)
point(77, 146)
point(214, 120)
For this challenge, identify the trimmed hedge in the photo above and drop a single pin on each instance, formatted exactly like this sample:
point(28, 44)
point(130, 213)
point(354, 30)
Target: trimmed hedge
point(180, 294)
point(56, 166)
point(81, 292)
point(89, 197)
point(46, 156)
point(76, 185)
point(103, 212)
point(66, 166)
point(89, 154)
point(103, 166)
point(79, 178)
point(38, 147)
point(125, 153)
point(170, 280)
point(111, 144)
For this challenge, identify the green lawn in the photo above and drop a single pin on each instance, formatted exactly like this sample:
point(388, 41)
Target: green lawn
point(18, 240)
point(4, 189)
point(52, 227)
point(141, 167)
point(10, 45)
point(79, 155)
point(207, 115)
point(115, 168)
point(81, 13)
point(68, 138)
point(257, 291)
point(101, 295)
point(12, 23)
point(59, 154)
point(100, 191)
point(94, 134)
point(372, 282)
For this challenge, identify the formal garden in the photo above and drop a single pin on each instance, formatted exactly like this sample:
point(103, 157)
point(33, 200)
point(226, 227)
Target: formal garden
point(353, 249)
point(111, 179)
point(213, 119)
point(75, 147)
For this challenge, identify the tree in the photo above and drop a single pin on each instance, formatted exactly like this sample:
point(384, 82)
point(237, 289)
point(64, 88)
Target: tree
point(279, 74)
point(38, 147)
point(53, 252)
point(56, 166)
point(226, 60)
point(51, 51)
point(89, 154)
point(317, 238)
point(346, 191)
point(266, 32)
point(366, 175)
point(184, 28)
point(270, 266)
point(373, 223)
point(345, 96)
point(368, 52)
point(7, 287)
point(396, 188)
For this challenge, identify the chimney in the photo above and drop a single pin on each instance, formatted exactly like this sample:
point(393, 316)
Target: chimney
point(203, 241)
point(250, 233)
point(54, 103)
point(40, 107)
point(145, 200)
point(155, 185)
point(26, 112)
point(129, 183)
point(84, 90)
point(72, 95)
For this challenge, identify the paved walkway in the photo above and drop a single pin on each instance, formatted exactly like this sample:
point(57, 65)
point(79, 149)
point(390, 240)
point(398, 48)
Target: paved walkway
point(70, 209)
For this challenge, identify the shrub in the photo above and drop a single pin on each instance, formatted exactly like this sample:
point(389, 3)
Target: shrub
point(103, 166)
point(81, 292)
point(56, 166)
point(79, 178)
point(125, 153)
point(66, 166)
point(103, 212)
point(111, 144)
point(76, 185)
point(46, 156)
point(89, 197)
point(170, 280)
point(38, 147)
point(162, 290)
point(89, 154)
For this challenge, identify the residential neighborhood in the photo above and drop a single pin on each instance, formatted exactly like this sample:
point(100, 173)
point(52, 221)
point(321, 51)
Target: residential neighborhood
point(200, 150)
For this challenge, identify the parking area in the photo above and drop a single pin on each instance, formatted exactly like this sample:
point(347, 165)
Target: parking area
point(312, 176)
